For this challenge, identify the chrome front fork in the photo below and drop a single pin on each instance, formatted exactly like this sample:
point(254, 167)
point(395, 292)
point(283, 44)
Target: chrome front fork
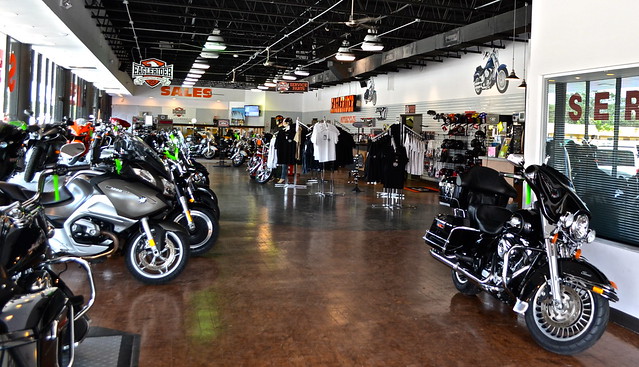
point(550, 242)
point(187, 213)
point(149, 236)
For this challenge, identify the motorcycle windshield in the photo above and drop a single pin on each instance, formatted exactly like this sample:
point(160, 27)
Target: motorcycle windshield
point(132, 148)
point(555, 192)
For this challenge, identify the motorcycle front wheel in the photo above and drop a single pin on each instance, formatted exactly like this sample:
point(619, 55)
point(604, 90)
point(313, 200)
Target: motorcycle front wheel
point(574, 327)
point(263, 174)
point(238, 160)
point(502, 81)
point(161, 268)
point(206, 232)
point(208, 153)
point(33, 163)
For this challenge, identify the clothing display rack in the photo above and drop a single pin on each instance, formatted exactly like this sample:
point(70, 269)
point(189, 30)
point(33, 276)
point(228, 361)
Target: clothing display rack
point(392, 198)
point(294, 184)
point(322, 181)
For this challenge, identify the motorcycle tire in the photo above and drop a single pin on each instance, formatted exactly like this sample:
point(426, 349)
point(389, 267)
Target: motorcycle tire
point(574, 328)
point(463, 285)
point(208, 153)
point(150, 269)
point(263, 175)
point(207, 229)
point(33, 163)
point(477, 85)
point(501, 80)
point(238, 160)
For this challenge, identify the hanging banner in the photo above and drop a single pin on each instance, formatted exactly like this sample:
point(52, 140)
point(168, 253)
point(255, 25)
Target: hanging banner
point(152, 72)
point(292, 87)
point(344, 104)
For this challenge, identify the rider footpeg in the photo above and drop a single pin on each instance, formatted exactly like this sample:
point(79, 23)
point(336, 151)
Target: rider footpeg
point(520, 306)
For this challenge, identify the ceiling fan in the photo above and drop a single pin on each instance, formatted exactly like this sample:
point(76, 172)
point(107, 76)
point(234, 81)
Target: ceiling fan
point(364, 22)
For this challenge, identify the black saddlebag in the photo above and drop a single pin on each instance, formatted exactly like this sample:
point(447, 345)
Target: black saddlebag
point(449, 232)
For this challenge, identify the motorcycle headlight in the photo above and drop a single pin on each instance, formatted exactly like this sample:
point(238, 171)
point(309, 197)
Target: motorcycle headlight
point(579, 229)
point(145, 175)
point(169, 187)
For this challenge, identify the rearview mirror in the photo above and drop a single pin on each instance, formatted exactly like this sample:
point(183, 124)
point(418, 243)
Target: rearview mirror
point(516, 159)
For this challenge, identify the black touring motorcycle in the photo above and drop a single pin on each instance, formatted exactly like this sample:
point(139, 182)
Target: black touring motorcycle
point(41, 319)
point(529, 258)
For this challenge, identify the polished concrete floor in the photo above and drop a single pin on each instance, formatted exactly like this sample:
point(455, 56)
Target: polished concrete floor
point(299, 279)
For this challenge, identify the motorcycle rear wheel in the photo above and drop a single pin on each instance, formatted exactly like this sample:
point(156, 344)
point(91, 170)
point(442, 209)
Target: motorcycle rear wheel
point(571, 330)
point(150, 269)
point(463, 285)
point(206, 232)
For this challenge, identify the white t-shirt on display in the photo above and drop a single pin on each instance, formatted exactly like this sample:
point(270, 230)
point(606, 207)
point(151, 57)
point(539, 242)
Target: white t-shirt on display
point(324, 139)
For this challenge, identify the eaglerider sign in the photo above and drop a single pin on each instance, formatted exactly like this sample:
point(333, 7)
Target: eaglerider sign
point(152, 72)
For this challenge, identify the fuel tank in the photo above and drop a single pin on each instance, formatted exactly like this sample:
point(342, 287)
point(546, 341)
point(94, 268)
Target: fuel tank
point(132, 199)
point(80, 190)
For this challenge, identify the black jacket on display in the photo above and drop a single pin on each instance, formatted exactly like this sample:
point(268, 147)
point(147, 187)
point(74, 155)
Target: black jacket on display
point(285, 146)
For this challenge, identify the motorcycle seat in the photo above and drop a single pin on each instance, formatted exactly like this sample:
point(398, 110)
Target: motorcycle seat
point(491, 218)
point(19, 193)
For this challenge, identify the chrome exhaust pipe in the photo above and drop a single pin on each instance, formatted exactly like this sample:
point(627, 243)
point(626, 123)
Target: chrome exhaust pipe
point(456, 267)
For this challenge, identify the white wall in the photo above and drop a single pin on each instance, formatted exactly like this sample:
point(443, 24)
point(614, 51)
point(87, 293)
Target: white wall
point(568, 37)
point(220, 104)
point(444, 87)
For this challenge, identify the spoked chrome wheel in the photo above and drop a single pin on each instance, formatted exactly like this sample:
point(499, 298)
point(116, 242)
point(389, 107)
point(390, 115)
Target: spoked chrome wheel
point(502, 81)
point(263, 174)
point(571, 327)
point(161, 267)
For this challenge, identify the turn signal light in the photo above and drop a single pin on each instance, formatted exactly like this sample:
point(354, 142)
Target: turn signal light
point(597, 290)
point(614, 285)
point(555, 238)
point(578, 254)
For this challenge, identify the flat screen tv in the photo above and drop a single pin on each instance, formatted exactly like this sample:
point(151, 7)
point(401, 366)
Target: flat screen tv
point(251, 110)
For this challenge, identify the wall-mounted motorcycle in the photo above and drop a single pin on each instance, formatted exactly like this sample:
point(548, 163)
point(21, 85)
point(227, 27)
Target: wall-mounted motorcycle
point(493, 73)
point(529, 258)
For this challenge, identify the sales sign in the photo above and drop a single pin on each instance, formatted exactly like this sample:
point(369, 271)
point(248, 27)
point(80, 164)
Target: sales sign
point(292, 87)
point(343, 104)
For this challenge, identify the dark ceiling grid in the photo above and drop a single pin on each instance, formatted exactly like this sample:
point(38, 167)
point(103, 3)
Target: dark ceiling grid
point(176, 30)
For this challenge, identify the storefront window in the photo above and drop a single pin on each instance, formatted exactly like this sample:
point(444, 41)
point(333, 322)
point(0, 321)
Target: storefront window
point(593, 136)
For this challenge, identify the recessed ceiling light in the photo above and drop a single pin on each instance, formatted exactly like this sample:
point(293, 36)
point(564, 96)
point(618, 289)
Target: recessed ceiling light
point(197, 71)
point(194, 76)
point(577, 77)
point(610, 74)
point(198, 65)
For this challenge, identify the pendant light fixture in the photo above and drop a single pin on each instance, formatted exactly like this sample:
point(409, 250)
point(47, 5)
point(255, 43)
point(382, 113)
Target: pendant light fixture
point(512, 71)
point(301, 71)
point(214, 42)
point(289, 76)
point(372, 42)
point(344, 53)
point(523, 81)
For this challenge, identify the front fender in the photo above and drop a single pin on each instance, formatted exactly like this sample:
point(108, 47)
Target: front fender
point(577, 272)
point(502, 67)
point(169, 226)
